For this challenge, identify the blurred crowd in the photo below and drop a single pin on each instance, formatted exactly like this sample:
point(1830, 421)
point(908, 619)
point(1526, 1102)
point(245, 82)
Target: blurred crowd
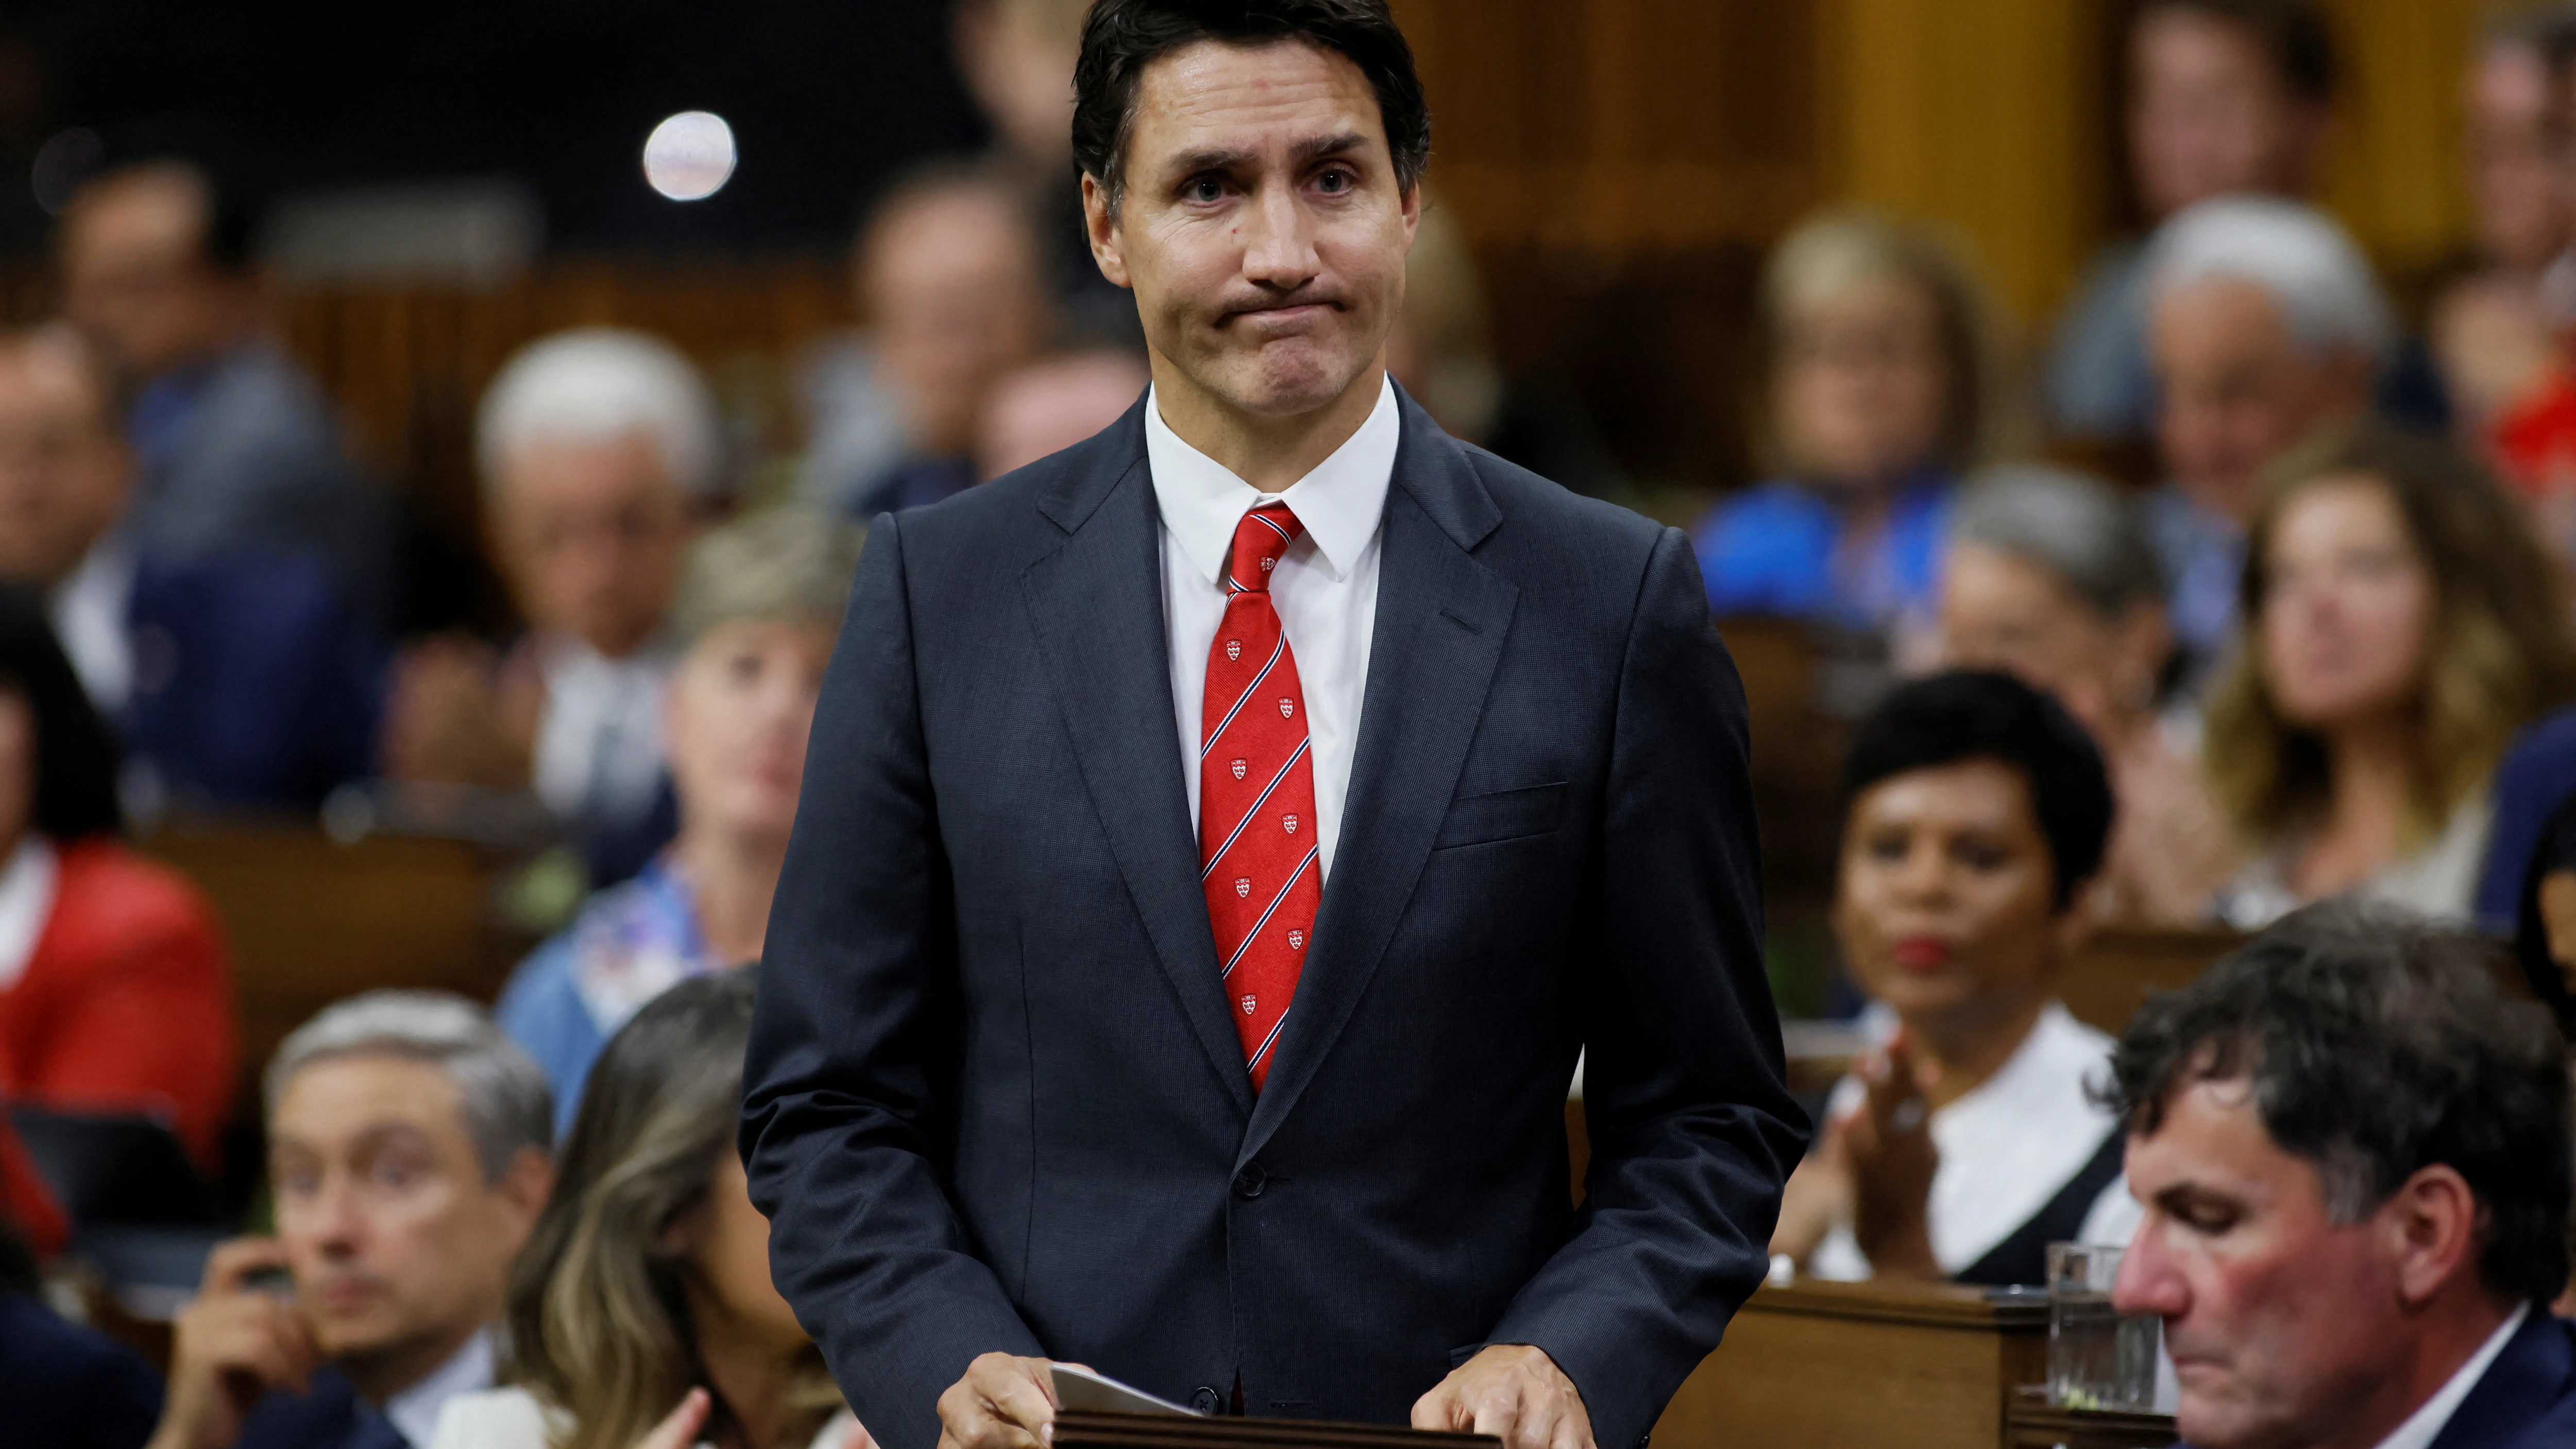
point(2323, 648)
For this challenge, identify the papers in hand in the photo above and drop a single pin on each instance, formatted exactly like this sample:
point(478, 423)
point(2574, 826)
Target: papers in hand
point(1080, 1388)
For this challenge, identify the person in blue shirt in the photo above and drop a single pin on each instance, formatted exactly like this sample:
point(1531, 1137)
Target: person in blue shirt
point(758, 606)
point(1879, 396)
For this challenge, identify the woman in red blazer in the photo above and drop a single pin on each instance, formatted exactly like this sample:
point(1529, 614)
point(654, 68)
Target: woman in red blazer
point(115, 991)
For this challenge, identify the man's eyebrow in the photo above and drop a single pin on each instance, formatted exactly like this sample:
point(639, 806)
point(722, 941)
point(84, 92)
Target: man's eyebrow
point(1214, 158)
point(1323, 146)
point(1191, 163)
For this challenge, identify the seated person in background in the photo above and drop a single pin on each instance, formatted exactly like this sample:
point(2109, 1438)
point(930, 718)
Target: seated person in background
point(237, 448)
point(408, 1157)
point(950, 283)
point(2400, 626)
point(1051, 404)
point(2225, 97)
point(1878, 397)
point(645, 1291)
point(758, 608)
point(2050, 576)
point(2352, 1155)
point(236, 678)
point(2544, 932)
point(1975, 813)
point(2266, 324)
point(2491, 329)
point(598, 448)
point(66, 1385)
point(115, 988)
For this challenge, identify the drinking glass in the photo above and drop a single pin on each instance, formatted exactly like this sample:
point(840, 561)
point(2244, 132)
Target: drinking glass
point(2098, 1357)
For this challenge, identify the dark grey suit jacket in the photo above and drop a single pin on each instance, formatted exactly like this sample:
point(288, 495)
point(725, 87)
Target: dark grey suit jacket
point(994, 1100)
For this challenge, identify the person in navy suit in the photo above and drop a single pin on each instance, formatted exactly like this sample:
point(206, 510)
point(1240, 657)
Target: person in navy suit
point(1219, 841)
point(66, 1385)
point(239, 678)
point(410, 1150)
point(2352, 1153)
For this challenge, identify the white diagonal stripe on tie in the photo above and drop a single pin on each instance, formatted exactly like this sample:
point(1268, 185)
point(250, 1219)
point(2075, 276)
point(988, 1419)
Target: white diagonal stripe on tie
point(1237, 834)
point(1276, 650)
point(1255, 933)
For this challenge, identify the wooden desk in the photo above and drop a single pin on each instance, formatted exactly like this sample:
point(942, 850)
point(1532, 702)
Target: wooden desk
point(1922, 1365)
point(311, 921)
point(2110, 977)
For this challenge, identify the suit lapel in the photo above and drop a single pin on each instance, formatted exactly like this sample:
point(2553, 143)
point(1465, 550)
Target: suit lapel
point(1441, 618)
point(2528, 1377)
point(1097, 605)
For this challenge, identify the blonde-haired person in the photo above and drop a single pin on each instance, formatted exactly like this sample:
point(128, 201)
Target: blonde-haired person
point(2400, 624)
point(641, 1313)
point(1879, 394)
point(759, 603)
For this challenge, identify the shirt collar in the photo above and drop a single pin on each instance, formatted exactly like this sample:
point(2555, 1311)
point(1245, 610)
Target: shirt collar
point(2427, 1422)
point(414, 1411)
point(1341, 502)
point(26, 902)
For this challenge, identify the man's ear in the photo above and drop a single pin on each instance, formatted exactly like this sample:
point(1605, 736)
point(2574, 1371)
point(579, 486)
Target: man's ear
point(2431, 1226)
point(1411, 202)
point(1101, 230)
point(523, 1190)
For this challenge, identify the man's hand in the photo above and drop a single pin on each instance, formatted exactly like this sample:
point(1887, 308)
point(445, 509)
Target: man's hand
point(1004, 1402)
point(233, 1343)
point(1513, 1391)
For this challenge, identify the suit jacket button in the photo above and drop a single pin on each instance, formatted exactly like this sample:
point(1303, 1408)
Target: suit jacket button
point(1250, 1181)
point(1204, 1400)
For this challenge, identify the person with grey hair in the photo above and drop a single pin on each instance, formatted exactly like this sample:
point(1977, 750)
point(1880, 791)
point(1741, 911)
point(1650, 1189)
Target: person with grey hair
point(2351, 1149)
point(2265, 324)
point(409, 1154)
point(759, 605)
point(2050, 575)
point(599, 449)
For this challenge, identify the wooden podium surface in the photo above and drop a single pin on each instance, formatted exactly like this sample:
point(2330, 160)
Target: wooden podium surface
point(1922, 1365)
point(1925, 1365)
point(1076, 1429)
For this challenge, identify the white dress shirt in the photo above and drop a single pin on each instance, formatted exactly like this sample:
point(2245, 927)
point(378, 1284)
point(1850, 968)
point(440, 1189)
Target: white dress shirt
point(2429, 1419)
point(2006, 1148)
point(599, 739)
point(415, 1411)
point(26, 903)
point(1325, 587)
point(89, 619)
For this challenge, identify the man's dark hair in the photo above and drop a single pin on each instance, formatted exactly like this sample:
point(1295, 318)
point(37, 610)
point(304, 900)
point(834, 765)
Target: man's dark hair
point(1121, 38)
point(2294, 36)
point(76, 756)
point(1970, 714)
point(2376, 1045)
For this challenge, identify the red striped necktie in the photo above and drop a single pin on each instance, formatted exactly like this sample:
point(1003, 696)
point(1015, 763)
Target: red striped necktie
point(1258, 862)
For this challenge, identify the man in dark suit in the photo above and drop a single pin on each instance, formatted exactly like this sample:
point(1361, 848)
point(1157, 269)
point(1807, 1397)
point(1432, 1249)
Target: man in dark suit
point(1220, 839)
point(409, 1153)
point(237, 678)
point(2353, 1155)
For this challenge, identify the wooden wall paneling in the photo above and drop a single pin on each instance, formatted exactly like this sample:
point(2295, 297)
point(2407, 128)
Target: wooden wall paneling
point(1982, 118)
point(2393, 171)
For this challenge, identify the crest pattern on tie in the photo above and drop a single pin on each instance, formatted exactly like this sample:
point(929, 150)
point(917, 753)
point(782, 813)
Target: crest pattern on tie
point(1256, 786)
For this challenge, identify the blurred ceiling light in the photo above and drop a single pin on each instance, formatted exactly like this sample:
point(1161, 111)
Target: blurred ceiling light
point(690, 156)
point(66, 160)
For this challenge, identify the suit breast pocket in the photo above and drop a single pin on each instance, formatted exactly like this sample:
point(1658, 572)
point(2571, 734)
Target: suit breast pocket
point(1502, 815)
